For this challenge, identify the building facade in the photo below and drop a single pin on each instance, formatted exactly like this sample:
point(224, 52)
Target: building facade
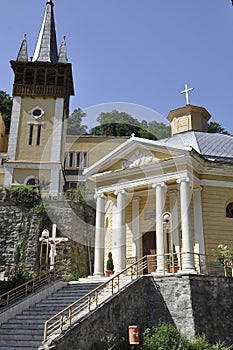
point(188, 177)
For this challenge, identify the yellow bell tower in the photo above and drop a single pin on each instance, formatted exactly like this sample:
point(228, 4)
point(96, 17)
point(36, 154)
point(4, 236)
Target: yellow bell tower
point(41, 93)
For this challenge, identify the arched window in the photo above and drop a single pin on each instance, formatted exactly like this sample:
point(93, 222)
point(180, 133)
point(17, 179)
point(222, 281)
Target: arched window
point(31, 181)
point(229, 210)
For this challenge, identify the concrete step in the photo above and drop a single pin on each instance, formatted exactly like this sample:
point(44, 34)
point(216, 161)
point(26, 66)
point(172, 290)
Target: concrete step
point(15, 325)
point(20, 343)
point(25, 347)
point(22, 337)
point(12, 331)
point(25, 330)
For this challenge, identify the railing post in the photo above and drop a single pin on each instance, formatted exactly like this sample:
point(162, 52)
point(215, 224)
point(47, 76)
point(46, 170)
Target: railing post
point(8, 298)
point(89, 303)
point(112, 287)
point(96, 298)
point(70, 316)
point(45, 330)
point(61, 322)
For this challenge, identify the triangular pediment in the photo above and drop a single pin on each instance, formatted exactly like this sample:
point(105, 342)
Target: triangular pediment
point(135, 152)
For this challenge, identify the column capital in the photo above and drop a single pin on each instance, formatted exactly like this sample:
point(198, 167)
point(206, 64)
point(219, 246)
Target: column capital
point(197, 189)
point(122, 191)
point(185, 179)
point(159, 184)
point(100, 195)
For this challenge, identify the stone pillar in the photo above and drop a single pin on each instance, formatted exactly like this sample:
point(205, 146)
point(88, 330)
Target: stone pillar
point(120, 248)
point(198, 229)
point(99, 235)
point(135, 228)
point(160, 204)
point(173, 200)
point(186, 224)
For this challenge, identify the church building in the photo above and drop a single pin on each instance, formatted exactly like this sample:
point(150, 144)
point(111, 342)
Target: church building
point(154, 198)
point(173, 195)
point(41, 93)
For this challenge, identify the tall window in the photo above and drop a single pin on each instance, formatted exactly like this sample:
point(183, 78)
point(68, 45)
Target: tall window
point(78, 159)
point(38, 135)
point(85, 160)
point(30, 135)
point(229, 210)
point(71, 155)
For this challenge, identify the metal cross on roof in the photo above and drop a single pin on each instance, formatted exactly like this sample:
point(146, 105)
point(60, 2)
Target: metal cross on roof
point(186, 91)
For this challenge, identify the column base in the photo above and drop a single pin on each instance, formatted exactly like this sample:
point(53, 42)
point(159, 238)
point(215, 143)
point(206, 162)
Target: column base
point(98, 274)
point(187, 272)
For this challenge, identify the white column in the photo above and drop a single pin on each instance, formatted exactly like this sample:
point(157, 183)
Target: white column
point(99, 235)
point(186, 224)
point(13, 138)
point(173, 200)
point(160, 204)
point(58, 130)
point(135, 228)
point(199, 247)
point(120, 247)
point(54, 182)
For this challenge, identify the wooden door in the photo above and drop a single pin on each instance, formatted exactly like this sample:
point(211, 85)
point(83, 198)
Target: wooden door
point(149, 248)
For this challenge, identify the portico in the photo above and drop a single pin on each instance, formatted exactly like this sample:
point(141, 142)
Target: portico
point(188, 176)
point(125, 212)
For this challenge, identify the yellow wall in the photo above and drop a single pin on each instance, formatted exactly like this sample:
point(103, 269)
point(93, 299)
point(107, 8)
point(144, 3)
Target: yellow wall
point(43, 151)
point(96, 146)
point(217, 227)
point(21, 174)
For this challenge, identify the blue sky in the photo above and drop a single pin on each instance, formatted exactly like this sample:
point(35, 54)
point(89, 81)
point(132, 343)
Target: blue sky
point(137, 52)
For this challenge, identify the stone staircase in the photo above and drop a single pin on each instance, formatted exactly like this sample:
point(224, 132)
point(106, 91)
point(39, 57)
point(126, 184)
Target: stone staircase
point(25, 330)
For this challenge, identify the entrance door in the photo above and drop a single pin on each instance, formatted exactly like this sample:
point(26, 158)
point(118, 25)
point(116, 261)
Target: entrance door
point(149, 248)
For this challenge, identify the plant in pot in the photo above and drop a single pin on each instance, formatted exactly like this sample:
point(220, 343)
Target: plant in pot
point(110, 266)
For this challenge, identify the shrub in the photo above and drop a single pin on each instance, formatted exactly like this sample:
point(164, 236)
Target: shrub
point(110, 265)
point(164, 336)
point(24, 195)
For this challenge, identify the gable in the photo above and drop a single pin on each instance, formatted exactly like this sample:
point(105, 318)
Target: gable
point(133, 153)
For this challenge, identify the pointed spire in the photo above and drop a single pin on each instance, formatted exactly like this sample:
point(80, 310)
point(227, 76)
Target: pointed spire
point(23, 51)
point(46, 47)
point(63, 52)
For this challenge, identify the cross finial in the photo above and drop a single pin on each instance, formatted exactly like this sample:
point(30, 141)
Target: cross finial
point(186, 91)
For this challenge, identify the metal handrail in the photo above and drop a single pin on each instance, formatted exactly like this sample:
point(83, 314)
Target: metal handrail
point(89, 302)
point(27, 288)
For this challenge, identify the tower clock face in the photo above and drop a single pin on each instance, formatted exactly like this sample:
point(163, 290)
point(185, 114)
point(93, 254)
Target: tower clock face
point(37, 112)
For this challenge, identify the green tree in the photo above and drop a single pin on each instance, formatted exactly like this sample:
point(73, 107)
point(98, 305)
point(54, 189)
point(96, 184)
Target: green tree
point(214, 127)
point(116, 123)
point(74, 123)
point(5, 108)
point(158, 129)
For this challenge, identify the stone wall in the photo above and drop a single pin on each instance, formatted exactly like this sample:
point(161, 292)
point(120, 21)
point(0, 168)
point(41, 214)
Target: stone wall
point(20, 230)
point(195, 304)
point(141, 304)
point(200, 304)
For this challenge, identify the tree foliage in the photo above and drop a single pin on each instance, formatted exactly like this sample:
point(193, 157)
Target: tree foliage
point(74, 123)
point(5, 108)
point(214, 127)
point(117, 123)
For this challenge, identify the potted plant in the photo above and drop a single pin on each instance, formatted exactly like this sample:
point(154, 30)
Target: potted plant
point(110, 266)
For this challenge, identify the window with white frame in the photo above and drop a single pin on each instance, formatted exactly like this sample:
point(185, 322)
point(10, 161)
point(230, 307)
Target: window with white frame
point(76, 160)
